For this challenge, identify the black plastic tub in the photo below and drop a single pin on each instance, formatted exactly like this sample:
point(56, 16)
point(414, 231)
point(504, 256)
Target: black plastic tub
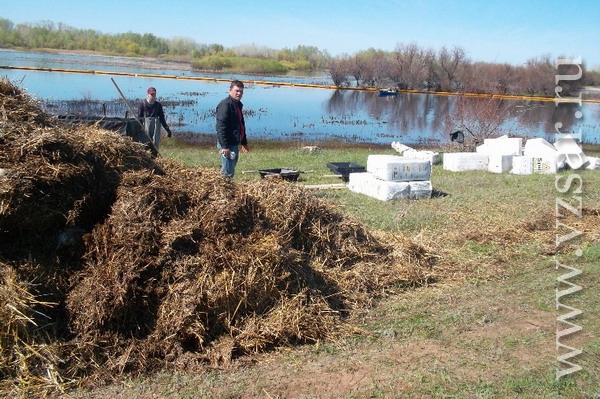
point(345, 168)
point(286, 174)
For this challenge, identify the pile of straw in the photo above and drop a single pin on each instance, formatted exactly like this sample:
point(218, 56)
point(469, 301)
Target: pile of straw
point(115, 263)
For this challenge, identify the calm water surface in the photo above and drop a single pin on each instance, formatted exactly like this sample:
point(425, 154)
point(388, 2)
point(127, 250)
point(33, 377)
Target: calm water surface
point(272, 111)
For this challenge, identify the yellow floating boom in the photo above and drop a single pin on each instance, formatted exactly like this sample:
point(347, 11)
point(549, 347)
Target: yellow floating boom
point(305, 85)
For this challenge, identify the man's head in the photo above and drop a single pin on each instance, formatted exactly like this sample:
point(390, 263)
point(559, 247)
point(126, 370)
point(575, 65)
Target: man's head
point(151, 94)
point(236, 90)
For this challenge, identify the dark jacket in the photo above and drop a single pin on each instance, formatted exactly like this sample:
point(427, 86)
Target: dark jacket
point(229, 126)
point(154, 110)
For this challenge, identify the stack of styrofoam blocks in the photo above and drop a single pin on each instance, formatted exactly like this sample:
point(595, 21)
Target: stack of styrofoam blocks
point(391, 177)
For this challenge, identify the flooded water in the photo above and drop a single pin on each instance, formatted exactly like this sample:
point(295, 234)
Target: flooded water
point(275, 111)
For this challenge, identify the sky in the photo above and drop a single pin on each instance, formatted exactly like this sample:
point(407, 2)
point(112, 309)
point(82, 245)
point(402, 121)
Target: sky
point(506, 31)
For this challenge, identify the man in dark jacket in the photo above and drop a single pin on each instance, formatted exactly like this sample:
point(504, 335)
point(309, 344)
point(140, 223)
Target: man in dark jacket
point(151, 113)
point(231, 129)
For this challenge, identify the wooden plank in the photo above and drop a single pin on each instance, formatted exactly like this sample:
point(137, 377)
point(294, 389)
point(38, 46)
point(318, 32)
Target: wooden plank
point(325, 186)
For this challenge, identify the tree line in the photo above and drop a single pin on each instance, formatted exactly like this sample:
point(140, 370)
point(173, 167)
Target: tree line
point(51, 35)
point(410, 67)
point(407, 67)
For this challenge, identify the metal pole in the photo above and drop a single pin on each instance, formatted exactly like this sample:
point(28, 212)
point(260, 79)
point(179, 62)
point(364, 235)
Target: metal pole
point(152, 146)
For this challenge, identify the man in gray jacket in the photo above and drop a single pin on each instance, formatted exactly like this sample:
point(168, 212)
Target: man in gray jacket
point(231, 129)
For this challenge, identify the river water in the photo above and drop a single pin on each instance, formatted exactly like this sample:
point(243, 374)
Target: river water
point(274, 111)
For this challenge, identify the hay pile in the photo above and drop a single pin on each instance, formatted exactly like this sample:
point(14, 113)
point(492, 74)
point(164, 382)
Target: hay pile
point(113, 262)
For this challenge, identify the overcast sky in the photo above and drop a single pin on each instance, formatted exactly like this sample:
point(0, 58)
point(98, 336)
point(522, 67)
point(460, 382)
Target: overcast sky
point(507, 31)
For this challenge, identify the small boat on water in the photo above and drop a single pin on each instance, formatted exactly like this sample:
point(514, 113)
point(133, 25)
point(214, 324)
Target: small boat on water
point(388, 92)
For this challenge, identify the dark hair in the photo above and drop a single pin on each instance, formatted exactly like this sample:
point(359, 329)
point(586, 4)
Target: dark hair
point(237, 83)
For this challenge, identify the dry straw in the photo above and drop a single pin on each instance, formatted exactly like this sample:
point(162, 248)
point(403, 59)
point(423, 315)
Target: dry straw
point(115, 263)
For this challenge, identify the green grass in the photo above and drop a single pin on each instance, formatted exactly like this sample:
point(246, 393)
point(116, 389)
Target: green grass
point(488, 331)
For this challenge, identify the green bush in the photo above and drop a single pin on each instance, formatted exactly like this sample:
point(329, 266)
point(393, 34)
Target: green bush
point(213, 63)
point(240, 64)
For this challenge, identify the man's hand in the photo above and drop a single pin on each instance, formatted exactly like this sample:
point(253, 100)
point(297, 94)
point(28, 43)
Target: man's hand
point(245, 148)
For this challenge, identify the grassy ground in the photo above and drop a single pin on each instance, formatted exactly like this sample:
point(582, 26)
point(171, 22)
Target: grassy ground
point(485, 328)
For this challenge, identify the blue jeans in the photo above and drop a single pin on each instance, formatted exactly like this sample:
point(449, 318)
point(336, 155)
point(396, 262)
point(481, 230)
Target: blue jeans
point(228, 164)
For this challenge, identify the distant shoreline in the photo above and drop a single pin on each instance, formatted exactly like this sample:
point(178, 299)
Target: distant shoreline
point(182, 64)
point(146, 62)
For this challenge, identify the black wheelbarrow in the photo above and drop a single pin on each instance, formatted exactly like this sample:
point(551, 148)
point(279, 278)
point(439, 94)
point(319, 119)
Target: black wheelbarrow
point(283, 173)
point(343, 169)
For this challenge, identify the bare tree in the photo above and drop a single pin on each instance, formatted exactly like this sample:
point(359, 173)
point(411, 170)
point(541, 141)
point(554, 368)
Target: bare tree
point(398, 72)
point(504, 78)
point(570, 75)
point(482, 77)
point(357, 68)
point(537, 77)
point(375, 66)
point(410, 63)
point(478, 119)
point(450, 62)
point(338, 70)
point(432, 79)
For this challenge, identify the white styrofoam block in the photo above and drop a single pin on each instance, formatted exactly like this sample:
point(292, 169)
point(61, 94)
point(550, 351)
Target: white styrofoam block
point(420, 189)
point(484, 148)
point(359, 182)
point(396, 145)
point(366, 183)
point(500, 163)
point(538, 147)
point(593, 163)
point(396, 168)
point(575, 161)
point(526, 165)
point(461, 161)
point(522, 165)
point(570, 152)
point(503, 145)
point(433, 157)
point(409, 152)
point(356, 180)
